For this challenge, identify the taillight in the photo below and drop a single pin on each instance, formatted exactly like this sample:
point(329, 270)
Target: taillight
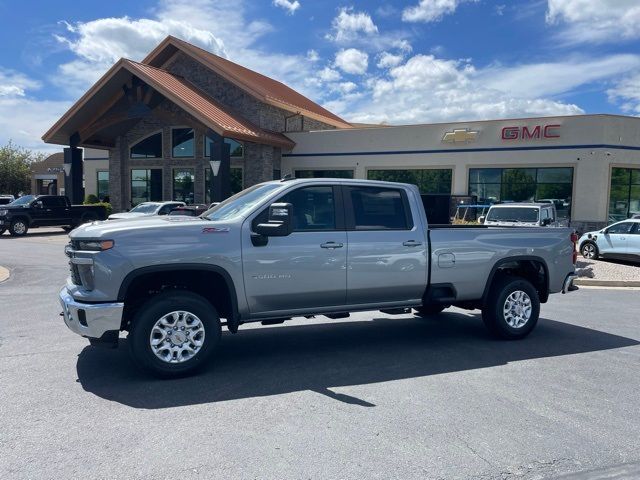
point(574, 240)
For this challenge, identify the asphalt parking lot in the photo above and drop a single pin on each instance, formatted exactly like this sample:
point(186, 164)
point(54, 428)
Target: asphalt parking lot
point(371, 396)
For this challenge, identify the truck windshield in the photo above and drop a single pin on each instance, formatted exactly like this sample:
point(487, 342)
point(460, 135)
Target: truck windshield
point(145, 208)
point(241, 202)
point(513, 214)
point(25, 199)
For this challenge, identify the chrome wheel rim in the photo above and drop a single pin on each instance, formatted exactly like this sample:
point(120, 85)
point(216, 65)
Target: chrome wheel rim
point(19, 228)
point(517, 309)
point(589, 251)
point(177, 337)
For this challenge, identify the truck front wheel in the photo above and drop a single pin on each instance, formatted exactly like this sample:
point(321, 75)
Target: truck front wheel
point(512, 308)
point(18, 227)
point(174, 333)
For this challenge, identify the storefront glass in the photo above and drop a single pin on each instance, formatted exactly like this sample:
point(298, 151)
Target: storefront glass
point(554, 185)
point(236, 182)
point(146, 186)
point(429, 181)
point(103, 185)
point(624, 194)
point(183, 182)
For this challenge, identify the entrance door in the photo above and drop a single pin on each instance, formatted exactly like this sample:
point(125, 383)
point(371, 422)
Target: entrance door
point(306, 269)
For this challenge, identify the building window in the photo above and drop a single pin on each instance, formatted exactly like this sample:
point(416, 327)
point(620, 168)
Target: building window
point(429, 180)
point(237, 182)
point(553, 185)
point(624, 193)
point(103, 185)
point(183, 182)
point(146, 185)
point(182, 142)
point(149, 147)
point(323, 174)
point(236, 148)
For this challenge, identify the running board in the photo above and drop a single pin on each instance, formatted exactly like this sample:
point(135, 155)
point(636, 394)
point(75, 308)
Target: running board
point(396, 311)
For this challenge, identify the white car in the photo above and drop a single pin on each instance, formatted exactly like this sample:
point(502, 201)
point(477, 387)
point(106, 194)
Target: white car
point(620, 240)
point(147, 209)
point(521, 215)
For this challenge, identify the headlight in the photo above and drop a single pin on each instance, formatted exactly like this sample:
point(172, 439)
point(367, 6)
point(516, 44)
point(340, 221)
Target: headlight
point(95, 245)
point(3, 212)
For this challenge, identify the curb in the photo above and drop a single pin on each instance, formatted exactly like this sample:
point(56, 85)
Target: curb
point(590, 282)
point(4, 274)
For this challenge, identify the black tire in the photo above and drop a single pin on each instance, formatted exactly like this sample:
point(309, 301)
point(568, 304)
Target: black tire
point(2, 230)
point(151, 312)
point(589, 250)
point(19, 227)
point(430, 310)
point(67, 228)
point(493, 312)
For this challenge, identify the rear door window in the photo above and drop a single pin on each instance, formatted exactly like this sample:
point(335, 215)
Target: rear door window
point(374, 208)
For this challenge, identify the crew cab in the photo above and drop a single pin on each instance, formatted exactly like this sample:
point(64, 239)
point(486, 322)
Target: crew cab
point(296, 248)
point(32, 211)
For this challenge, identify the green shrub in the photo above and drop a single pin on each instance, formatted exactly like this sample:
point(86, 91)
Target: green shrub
point(105, 205)
point(91, 199)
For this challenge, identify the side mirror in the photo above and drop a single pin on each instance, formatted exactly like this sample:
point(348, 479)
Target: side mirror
point(280, 221)
point(37, 204)
point(481, 219)
point(545, 222)
point(605, 231)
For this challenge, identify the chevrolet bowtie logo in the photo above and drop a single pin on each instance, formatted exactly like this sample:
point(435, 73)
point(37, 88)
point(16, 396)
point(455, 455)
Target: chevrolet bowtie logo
point(463, 135)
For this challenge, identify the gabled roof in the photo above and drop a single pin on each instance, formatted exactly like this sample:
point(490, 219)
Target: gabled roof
point(260, 86)
point(176, 89)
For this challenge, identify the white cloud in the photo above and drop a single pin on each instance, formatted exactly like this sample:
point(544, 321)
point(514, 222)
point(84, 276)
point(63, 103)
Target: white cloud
point(23, 120)
point(544, 79)
point(328, 74)
point(431, 10)
point(312, 55)
point(429, 89)
point(352, 61)
point(626, 94)
point(15, 84)
point(387, 60)
point(288, 5)
point(348, 24)
point(595, 21)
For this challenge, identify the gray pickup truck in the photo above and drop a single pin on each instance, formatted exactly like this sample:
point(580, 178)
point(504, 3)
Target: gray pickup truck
point(298, 248)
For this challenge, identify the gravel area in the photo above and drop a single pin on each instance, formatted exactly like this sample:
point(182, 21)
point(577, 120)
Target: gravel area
point(607, 270)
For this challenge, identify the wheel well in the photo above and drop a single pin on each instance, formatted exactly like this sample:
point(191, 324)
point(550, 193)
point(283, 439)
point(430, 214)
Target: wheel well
point(208, 284)
point(26, 219)
point(535, 271)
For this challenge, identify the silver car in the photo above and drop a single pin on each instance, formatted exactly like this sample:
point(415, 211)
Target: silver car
point(147, 209)
point(620, 240)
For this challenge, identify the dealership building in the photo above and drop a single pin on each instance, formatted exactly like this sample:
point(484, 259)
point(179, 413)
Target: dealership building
point(188, 125)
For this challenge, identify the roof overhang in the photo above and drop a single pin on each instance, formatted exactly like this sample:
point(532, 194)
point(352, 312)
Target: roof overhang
point(170, 45)
point(105, 93)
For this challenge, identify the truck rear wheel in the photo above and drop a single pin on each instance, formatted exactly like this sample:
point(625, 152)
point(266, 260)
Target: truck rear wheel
point(174, 333)
point(512, 308)
point(18, 227)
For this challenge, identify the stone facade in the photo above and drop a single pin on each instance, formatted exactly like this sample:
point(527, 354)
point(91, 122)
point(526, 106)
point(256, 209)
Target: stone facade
point(259, 161)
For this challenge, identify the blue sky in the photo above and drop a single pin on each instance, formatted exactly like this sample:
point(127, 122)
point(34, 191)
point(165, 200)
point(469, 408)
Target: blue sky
point(410, 61)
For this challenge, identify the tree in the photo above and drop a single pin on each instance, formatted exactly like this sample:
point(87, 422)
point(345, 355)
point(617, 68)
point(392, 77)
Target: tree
point(15, 168)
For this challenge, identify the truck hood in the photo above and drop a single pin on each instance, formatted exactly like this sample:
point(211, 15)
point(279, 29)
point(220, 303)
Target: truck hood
point(110, 230)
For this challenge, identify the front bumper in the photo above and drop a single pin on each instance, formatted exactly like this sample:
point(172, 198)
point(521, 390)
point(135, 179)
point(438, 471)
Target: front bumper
point(568, 285)
point(90, 320)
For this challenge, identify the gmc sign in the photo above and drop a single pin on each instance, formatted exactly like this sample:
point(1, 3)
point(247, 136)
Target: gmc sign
point(531, 133)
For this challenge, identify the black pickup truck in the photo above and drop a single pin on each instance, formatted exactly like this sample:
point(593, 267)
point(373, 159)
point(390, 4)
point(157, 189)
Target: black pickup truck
point(32, 211)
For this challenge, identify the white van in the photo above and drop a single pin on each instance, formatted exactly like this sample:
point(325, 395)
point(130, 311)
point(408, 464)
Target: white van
point(521, 215)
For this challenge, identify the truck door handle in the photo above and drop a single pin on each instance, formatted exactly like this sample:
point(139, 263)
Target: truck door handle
point(411, 243)
point(330, 245)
